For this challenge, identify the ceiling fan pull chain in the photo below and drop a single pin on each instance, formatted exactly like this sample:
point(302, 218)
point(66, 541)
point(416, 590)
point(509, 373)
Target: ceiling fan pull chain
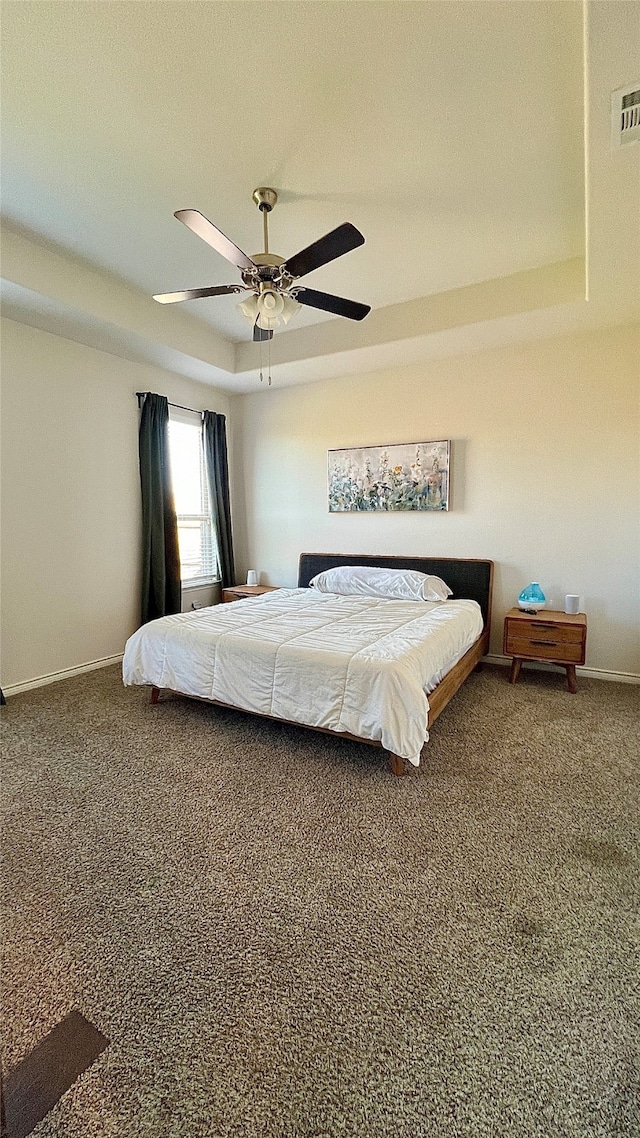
point(269, 342)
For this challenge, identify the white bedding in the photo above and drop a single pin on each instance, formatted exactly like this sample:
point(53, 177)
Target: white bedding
point(354, 664)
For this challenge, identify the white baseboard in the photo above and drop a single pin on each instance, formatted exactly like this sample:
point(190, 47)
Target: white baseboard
point(503, 661)
point(65, 674)
point(591, 673)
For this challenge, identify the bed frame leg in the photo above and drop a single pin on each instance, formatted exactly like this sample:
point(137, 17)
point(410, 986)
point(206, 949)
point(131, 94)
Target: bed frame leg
point(155, 695)
point(397, 765)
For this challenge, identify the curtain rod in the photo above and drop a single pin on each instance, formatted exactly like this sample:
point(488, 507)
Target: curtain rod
point(141, 394)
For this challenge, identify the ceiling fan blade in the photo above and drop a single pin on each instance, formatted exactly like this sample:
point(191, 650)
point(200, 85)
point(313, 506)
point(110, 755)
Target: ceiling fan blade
point(262, 333)
point(196, 293)
point(352, 309)
point(341, 240)
point(205, 229)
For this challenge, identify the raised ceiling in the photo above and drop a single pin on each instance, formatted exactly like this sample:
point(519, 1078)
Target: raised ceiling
point(450, 133)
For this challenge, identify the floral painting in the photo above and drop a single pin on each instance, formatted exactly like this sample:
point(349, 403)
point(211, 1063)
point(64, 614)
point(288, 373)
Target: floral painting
point(403, 476)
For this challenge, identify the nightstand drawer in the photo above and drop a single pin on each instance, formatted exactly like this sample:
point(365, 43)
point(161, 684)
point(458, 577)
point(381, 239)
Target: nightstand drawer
point(537, 648)
point(544, 631)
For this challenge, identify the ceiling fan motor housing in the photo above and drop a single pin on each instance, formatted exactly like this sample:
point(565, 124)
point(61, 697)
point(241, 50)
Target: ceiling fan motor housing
point(267, 270)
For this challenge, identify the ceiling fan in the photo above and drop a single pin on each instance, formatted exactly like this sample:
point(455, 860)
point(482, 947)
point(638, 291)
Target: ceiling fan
point(275, 296)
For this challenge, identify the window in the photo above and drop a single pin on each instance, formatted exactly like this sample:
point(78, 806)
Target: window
point(196, 536)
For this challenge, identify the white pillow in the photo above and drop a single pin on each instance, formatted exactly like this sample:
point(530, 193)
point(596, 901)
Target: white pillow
point(396, 584)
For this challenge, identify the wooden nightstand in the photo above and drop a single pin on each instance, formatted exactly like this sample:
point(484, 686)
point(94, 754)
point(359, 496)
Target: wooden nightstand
point(241, 592)
point(552, 636)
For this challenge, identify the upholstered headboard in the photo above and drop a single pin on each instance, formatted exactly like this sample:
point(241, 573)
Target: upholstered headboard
point(467, 577)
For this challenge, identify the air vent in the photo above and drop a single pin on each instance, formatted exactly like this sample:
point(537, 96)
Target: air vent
point(625, 115)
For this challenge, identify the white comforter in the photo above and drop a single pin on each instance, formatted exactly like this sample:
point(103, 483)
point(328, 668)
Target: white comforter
point(353, 664)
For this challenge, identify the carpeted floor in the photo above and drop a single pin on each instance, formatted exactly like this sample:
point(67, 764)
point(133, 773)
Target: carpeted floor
point(282, 940)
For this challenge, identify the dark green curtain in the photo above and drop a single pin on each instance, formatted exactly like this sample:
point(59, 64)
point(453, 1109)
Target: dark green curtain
point(215, 448)
point(160, 552)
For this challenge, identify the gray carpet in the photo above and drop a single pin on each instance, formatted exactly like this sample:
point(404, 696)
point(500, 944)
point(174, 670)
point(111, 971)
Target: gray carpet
point(282, 940)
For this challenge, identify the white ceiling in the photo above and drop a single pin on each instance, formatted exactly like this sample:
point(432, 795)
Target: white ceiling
point(450, 132)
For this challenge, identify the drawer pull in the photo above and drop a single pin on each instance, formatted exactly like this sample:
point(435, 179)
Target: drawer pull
point(545, 643)
point(540, 624)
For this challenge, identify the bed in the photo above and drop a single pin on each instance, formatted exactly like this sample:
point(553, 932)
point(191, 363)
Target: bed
point(368, 668)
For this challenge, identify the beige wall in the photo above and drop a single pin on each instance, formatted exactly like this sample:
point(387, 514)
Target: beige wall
point(545, 480)
point(71, 498)
point(545, 474)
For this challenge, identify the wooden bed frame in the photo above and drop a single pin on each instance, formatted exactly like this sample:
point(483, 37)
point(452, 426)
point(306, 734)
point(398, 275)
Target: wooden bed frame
point(468, 578)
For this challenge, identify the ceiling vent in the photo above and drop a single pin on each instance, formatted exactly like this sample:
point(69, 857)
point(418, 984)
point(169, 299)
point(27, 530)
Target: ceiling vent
point(625, 115)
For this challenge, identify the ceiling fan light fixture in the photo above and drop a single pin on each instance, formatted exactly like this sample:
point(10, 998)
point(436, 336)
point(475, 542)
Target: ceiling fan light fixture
point(289, 309)
point(270, 303)
point(269, 310)
point(249, 308)
point(266, 324)
point(255, 314)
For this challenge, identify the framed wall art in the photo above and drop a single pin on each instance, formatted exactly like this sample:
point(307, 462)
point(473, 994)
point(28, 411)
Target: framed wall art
point(401, 476)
